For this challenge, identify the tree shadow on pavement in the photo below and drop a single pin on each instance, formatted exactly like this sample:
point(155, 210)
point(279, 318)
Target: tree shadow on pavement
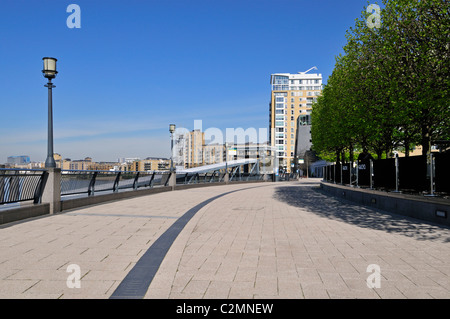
point(314, 200)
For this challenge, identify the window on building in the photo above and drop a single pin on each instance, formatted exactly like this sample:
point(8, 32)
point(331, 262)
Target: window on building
point(279, 79)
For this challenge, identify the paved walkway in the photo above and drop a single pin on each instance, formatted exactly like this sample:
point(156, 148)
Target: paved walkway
point(258, 240)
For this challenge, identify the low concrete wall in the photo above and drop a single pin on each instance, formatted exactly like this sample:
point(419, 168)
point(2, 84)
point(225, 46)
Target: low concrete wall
point(24, 212)
point(431, 209)
point(98, 199)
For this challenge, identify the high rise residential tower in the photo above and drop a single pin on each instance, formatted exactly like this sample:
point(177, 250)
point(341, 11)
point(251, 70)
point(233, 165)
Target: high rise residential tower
point(292, 95)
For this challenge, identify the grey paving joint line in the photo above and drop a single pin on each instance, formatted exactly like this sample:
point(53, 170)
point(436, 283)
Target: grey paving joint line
point(136, 282)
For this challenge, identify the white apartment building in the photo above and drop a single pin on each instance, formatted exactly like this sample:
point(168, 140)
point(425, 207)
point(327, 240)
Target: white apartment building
point(292, 95)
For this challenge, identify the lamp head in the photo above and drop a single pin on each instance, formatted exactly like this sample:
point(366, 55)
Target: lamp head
point(49, 67)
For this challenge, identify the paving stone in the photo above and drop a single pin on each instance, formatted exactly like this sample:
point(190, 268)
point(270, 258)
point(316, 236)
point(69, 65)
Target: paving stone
point(262, 240)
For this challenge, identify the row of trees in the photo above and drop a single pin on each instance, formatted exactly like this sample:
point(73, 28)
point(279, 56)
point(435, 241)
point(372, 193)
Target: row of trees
point(390, 89)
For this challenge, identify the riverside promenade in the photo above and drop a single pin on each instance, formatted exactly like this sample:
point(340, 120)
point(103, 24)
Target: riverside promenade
point(236, 241)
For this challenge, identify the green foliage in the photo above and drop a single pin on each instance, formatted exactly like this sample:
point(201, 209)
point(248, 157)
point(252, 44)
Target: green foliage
point(391, 87)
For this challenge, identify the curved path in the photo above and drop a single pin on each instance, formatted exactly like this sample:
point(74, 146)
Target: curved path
point(258, 240)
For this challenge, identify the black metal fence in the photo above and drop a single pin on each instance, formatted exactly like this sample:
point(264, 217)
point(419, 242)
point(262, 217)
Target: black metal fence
point(287, 176)
point(18, 185)
point(89, 182)
point(429, 175)
point(198, 178)
point(216, 177)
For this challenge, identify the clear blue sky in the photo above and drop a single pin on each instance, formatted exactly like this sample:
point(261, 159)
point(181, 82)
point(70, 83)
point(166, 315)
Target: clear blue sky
point(136, 66)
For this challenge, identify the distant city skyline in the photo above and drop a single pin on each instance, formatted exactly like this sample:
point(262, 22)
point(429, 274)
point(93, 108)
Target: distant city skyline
point(134, 67)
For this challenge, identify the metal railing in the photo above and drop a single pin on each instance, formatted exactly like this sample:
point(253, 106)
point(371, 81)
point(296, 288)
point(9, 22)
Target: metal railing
point(198, 178)
point(217, 177)
point(288, 176)
point(18, 185)
point(89, 182)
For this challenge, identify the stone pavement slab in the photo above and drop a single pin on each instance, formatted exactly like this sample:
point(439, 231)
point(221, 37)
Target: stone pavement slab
point(106, 241)
point(289, 240)
point(260, 240)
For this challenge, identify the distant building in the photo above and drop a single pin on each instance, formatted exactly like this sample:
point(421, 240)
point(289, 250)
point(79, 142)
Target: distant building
point(148, 164)
point(58, 160)
point(81, 165)
point(188, 149)
point(18, 160)
point(292, 95)
point(124, 160)
point(156, 164)
point(191, 150)
point(103, 166)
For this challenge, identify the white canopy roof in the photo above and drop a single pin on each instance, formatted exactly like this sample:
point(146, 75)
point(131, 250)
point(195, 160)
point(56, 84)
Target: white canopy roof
point(218, 166)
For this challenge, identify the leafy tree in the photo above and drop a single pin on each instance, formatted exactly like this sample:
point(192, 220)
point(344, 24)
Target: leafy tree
point(391, 87)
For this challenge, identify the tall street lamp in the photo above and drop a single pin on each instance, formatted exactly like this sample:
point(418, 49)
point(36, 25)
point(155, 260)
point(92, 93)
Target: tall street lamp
point(171, 130)
point(226, 157)
point(50, 73)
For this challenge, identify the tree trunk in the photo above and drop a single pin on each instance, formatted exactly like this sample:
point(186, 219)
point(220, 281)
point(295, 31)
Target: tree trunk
point(379, 153)
point(351, 153)
point(426, 139)
point(338, 154)
point(406, 142)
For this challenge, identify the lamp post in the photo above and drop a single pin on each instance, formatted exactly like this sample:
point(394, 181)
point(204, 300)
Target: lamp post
point(172, 128)
point(226, 157)
point(50, 73)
